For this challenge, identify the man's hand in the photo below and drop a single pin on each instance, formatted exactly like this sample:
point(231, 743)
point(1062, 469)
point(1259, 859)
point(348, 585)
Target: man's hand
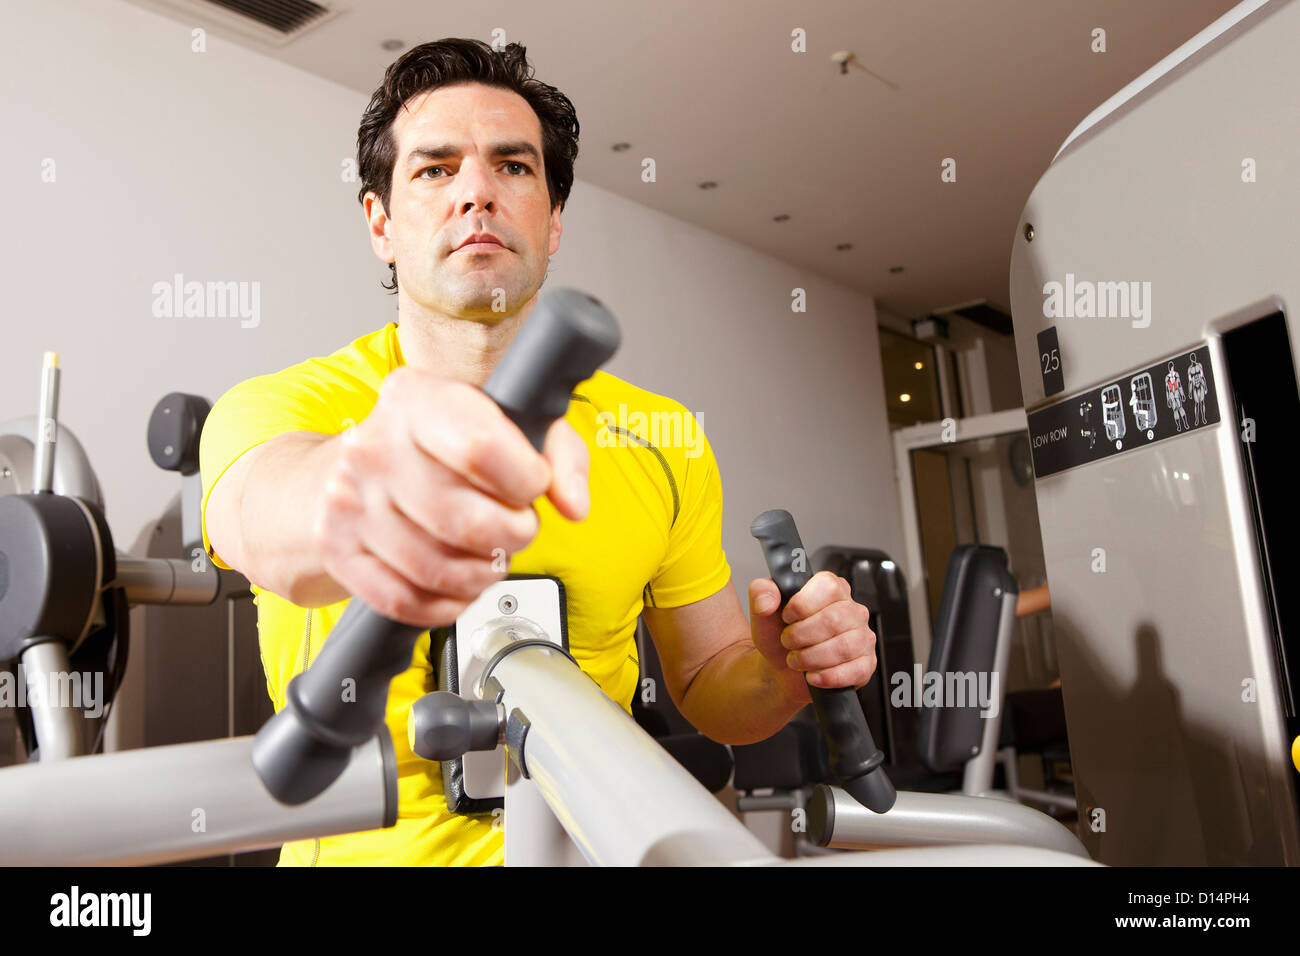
point(431, 495)
point(823, 632)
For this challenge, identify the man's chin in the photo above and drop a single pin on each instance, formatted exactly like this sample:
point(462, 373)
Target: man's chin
point(487, 297)
point(487, 307)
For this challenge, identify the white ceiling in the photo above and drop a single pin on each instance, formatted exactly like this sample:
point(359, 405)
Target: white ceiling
point(711, 90)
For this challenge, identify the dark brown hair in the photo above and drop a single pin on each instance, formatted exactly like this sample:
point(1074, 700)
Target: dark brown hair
point(447, 62)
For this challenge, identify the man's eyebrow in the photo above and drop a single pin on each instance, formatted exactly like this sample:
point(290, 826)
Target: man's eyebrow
point(447, 151)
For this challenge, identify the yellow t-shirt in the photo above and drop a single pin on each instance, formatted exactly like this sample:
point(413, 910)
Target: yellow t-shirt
point(653, 537)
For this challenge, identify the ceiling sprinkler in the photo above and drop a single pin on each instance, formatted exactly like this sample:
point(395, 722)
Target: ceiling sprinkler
point(845, 57)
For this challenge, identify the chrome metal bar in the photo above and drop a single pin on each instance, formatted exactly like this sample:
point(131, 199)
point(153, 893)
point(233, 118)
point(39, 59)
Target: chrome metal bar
point(1007, 757)
point(72, 473)
point(978, 775)
point(534, 836)
point(160, 804)
point(991, 854)
point(621, 797)
point(1059, 800)
point(47, 430)
point(919, 819)
point(787, 800)
point(58, 724)
point(167, 580)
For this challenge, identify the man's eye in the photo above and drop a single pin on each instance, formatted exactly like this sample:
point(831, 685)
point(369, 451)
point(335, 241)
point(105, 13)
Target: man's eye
point(428, 168)
point(520, 165)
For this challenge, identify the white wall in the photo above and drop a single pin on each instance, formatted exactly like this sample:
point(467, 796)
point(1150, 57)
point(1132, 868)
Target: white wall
point(225, 165)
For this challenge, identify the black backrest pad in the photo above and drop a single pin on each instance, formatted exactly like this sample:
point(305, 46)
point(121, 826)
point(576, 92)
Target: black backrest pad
point(965, 640)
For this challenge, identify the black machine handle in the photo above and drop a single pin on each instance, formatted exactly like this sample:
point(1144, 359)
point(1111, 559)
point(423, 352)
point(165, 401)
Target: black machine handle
point(854, 758)
point(340, 702)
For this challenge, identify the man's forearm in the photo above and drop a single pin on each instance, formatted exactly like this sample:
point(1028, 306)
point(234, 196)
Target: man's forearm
point(739, 698)
point(274, 515)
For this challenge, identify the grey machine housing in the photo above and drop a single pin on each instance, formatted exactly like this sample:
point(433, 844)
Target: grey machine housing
point(1168, 222)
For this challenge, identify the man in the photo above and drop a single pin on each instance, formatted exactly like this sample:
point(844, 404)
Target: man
point(382, 471)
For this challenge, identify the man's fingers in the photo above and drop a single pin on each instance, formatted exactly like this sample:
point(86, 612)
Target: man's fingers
point(840, 649)
point(822, 588)
point(835, 619)
point(478, 442)
point(854, 674)
point(426, 562)
point(389, 594)
point(570, 466)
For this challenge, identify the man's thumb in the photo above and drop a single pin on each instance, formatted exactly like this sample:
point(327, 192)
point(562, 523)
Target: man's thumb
point(764, 598)
point(765, 624)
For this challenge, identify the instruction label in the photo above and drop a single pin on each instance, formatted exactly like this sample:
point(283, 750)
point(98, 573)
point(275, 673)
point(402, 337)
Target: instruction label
point(1173, 397)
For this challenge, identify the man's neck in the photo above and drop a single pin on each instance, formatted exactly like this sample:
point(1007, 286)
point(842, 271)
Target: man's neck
point(466, 350)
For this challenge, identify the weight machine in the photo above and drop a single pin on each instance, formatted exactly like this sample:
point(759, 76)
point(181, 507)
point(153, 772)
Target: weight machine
point(1152, 273)
point(579, 771)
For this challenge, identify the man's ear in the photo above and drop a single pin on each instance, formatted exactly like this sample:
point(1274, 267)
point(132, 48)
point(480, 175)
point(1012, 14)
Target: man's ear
point(377, 225)
point(556, 229)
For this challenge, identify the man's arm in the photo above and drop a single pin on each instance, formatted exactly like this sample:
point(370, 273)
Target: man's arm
point(715, 674)
point(406, 509)
point(259, 517)
point(740, 682)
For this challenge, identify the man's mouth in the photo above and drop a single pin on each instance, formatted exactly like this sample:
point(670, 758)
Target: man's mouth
point(480, 242)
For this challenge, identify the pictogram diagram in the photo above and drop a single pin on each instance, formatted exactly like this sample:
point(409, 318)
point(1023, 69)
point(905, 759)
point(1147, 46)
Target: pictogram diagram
point(1087, 431)
point(1197, 386)
point(1143, 402)
point(1112, 414)
point(1175, 397)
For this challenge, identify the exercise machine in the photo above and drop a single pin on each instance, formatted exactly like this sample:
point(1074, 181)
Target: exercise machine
point(580, 772)
point(1153, 289)
point(956, 747)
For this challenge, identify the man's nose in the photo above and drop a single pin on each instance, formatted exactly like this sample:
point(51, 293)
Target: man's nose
point(477, 188)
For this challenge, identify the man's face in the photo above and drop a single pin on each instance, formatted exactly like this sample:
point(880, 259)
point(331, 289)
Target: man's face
point(469, 160)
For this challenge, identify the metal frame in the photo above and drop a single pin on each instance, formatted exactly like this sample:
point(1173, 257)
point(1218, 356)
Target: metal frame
point(928, 435)
point(977, 776)
point(583, 774)
point(624, 801)
point(71, 475)
point(1209, 627)
point(1008, 757)
point(921, 819)
point(179, 802)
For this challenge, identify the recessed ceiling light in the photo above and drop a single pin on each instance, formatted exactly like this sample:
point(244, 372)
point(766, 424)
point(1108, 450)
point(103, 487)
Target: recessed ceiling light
point(620, 147)
point(709, 184)
point(393, 44)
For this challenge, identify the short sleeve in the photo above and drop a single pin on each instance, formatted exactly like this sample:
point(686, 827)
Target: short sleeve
point(695, 565)
point(255, 411)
